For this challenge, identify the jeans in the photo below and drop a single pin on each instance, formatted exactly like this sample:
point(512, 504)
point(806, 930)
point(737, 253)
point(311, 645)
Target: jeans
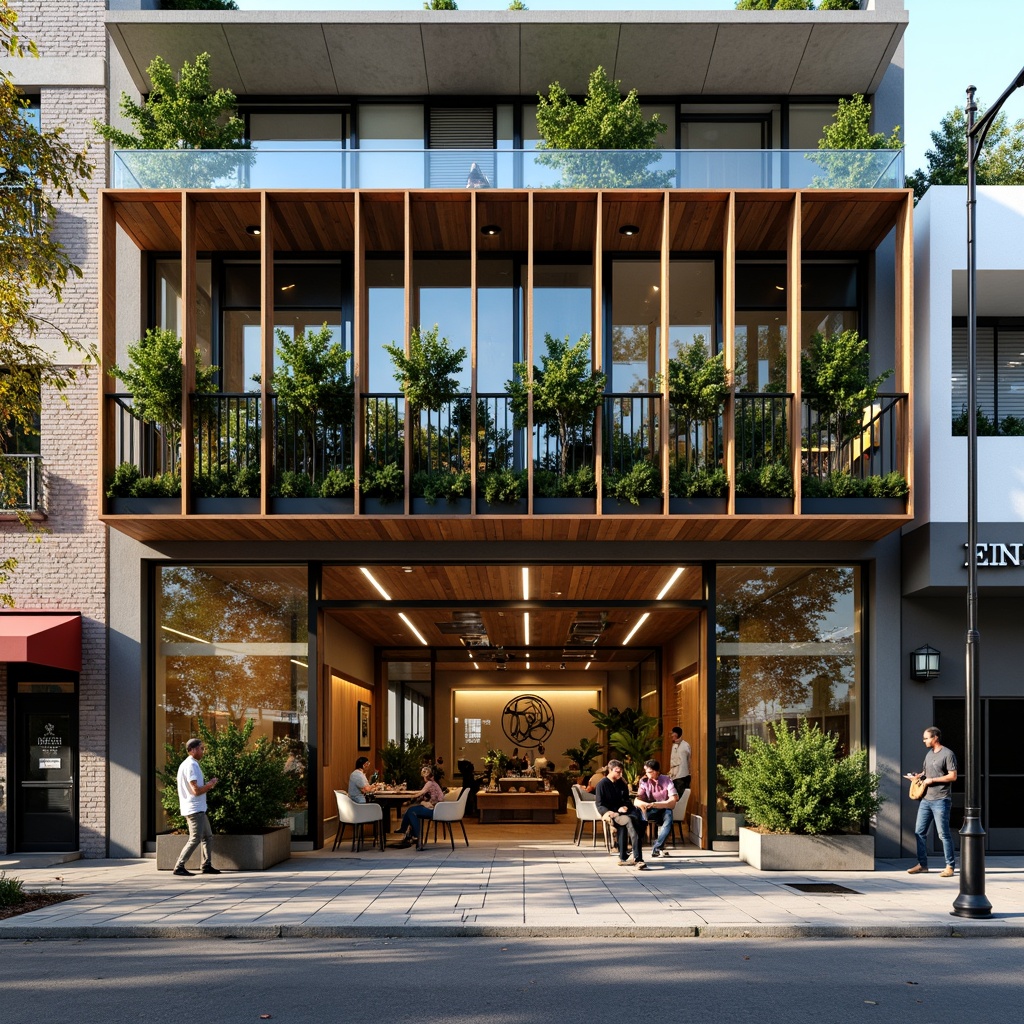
point(199, 832)
point(663, 815)
point(937, 811)
point(630, 832)
point(411, 818)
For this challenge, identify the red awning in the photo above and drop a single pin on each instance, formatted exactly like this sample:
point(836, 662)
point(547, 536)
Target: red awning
point(53, 639)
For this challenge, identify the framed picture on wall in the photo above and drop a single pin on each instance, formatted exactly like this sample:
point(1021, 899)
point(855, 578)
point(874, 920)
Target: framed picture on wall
point(363, 726)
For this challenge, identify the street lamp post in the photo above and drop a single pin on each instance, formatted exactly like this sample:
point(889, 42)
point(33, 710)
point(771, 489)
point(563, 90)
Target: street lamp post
point(972, 901)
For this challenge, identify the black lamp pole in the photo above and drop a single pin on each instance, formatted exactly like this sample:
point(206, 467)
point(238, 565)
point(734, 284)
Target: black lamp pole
point(972, 901)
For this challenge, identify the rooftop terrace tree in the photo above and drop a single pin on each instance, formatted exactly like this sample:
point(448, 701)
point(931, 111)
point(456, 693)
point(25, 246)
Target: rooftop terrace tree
point(37, 169)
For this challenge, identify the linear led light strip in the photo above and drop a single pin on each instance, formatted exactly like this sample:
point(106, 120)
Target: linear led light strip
point(643, 618)
point(387, 597)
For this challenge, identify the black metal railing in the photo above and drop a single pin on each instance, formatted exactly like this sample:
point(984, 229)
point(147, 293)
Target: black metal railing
point(631, 430)
point(762, 430)
point(306, 445)
point(500, 443)
point(150, 447)
point(863, 444)
point(227, 432)
point(21, 489)
point(575, 451)
point(440, 437)
point(383, 429)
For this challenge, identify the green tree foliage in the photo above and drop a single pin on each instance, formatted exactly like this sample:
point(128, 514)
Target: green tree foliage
point(605, 120)
point(440, 5)
point(851, 128)
point(697, 386)
point(153, 377)
point(797, 5)
point(181, 112)
point(37, 170)
point(1001, 161)
point(198, 5)
point(429, 373)
point(314, 391)
point(836, 379)
point(256, 780)
point(799, 784)
point(566, 392)
point(518, 5)
point(402, 762)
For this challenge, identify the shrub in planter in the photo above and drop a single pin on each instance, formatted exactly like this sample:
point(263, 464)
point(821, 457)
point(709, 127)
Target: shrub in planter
point(387, 483)
point(339, 483)
point(434, 487)
point(243, 482)
point(256, 781)
point(579, 483)
point(772, 480)
point(841, 484)
point(697, 483)
point(798, 784)
point(128, 482)
point(294, 485)
point(502, 486)
point(641, 480)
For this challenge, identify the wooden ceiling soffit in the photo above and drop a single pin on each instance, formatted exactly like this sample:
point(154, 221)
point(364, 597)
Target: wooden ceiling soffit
point(762, 220)
point(642, 210)
point(222, 219)
point(308, 222)
point(152, 220)
point(508, 211)
point(850, 221)
point(564, 221)
point(383, 219)
point(697, 221)
point(441, 221)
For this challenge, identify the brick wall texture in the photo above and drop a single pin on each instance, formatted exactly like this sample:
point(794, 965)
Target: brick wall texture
point(65, 568)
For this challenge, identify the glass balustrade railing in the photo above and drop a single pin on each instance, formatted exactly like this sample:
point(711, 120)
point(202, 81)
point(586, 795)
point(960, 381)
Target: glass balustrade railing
point(475, 168)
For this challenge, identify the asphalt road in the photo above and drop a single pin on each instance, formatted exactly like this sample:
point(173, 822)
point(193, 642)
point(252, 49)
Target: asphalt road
point(526, 981)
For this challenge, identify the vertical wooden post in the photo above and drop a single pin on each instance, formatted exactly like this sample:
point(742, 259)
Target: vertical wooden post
point(407, 292)
point(597, 342)
point(266, 349)
point(904, 354)
point(188, 346)
point(360, 364)
point(107, 331)
point(474, 309)
point(729, 345)
point(794, 254)
point(528, 355)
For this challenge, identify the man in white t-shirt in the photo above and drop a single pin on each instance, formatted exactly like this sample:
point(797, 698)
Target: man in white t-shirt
point(679, 763)
point(192, 790)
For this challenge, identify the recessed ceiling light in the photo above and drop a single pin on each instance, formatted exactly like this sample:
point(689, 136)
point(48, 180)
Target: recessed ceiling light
point(629, 229)
point(491, 230)
point(252, 229)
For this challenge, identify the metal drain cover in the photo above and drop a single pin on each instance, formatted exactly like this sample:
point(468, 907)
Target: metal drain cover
point(826, 887)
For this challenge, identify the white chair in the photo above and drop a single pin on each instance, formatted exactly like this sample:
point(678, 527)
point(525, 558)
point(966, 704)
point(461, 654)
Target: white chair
point(586, 810)
point(679, 816)
point(447, 813)
point(358, 816)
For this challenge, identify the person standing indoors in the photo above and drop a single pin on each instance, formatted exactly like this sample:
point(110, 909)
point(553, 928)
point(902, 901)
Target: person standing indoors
point(359, 786)
point(192, 790)
point(540, 763)
point(612, 797)
point(679, 763)
point(656, 796)
point(939, 774)
point(427, 798)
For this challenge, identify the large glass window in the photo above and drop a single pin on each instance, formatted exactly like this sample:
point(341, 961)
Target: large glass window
point(562, 303)
point(167, 299)
point(232, 643)
point(396, 132)
point(1000, 383)
point(788, 647)
point(385, 320)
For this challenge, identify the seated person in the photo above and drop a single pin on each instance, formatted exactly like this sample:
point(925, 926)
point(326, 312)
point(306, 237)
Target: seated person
point(422, 807)
point(540, 763)
point(595, 779)
point(655, 798)
point(613, 805)
point(359, 786)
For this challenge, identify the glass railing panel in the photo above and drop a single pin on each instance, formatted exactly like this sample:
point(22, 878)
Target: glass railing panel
point(481, 168)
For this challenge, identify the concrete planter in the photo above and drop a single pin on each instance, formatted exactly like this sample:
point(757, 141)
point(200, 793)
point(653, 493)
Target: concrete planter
point(312, 506)
point(144, 506)
point(376, 507)
point(227, 506)
point(253, 852)
point(775, 852)
point(501, 508)
point(698, 506)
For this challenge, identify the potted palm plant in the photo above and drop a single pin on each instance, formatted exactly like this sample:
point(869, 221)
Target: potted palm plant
point(566, 396)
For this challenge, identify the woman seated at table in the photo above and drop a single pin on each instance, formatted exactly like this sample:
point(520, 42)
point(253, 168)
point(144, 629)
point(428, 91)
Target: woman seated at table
point(423, 807)
point(359, 786)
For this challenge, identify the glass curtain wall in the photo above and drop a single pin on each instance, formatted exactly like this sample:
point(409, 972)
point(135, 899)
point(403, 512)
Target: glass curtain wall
point(499, 346)
point(232, 644)
point(789, 646)
point(382, 411)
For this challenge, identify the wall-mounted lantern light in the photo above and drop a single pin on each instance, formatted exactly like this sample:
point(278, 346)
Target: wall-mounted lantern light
point(924, 663)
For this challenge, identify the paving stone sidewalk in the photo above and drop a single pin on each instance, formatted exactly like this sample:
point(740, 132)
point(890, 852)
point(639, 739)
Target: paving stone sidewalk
point(504, 889)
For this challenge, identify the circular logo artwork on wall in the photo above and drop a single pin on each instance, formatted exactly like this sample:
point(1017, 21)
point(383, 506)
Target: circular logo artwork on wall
point(527, 720)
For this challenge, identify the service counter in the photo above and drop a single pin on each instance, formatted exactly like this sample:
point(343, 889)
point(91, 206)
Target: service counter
point(494, 808)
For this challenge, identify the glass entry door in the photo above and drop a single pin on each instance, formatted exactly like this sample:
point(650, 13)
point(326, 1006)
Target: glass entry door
point(44, 794)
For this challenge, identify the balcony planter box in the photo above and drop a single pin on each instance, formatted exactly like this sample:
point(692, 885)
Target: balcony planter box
point(764, 506)
point(506, 508)
point(698, 506)
point(256, 851)
point(770, 851)
point(376, 507)
point(647, 507)
point(312, 506)
point(853, 506)
point(564, 506)
point(227, 506)
point(460, 507)
point(144, 506)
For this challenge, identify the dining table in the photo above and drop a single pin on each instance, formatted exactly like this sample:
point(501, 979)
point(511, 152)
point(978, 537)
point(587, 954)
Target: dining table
point(391, 798)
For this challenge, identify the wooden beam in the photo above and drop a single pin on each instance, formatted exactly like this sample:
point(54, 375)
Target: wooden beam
point(729, 345)
point(407, 293)
point(663, 316)
point(528, 345)
point(794, 255)
point(474, 309)
point(189, 293)
point(266, 348)
point(905, 338)
point(360, 353)
point(107, 331)
point(597, 341)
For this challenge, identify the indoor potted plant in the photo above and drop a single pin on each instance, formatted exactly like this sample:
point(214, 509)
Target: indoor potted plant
point(698, 386)
point(429, 376)
point(807, 805)
point(566, 396)
point(580, 758)
point(246, 810)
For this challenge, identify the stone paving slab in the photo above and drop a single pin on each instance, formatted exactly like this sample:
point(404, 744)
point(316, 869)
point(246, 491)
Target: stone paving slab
point(505, 890)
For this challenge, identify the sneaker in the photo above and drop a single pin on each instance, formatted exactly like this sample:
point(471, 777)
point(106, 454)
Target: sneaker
point(655, 853)
point(211, 870)
point(622, 863)
point(639, 865)
point(946, 872)
point(399, 832)
point(665, 853)
point(918, 869)
point(182, 871)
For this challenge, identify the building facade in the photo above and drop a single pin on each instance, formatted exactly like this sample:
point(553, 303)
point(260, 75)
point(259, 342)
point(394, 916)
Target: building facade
point(510, 584)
